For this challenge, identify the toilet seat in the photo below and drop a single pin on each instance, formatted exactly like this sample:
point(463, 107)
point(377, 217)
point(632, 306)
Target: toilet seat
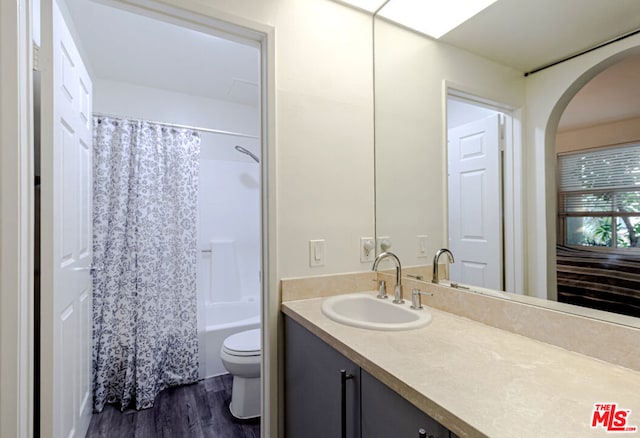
point(243, 344)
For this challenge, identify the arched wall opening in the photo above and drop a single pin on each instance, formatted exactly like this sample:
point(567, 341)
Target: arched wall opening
point(548, 94)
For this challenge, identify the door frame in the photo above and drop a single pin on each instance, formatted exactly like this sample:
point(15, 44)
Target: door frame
point(16, 200)
point(16, 220)
point(512, 181)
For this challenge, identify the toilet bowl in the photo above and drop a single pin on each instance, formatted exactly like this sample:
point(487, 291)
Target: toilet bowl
point(241, 356)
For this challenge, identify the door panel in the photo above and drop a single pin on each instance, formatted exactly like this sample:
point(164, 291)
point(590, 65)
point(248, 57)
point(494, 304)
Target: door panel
point(66, 232)
point(84, 360)
point(312, 390)
point(475, 203)
point(386, 414)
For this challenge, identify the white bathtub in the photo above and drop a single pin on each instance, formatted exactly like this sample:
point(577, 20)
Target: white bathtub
point(230, 318)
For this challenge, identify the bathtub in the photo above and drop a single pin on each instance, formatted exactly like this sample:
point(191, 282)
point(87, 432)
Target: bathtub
point(229, 317)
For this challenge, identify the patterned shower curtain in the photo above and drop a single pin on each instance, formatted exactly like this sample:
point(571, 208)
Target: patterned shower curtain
point(144, 249)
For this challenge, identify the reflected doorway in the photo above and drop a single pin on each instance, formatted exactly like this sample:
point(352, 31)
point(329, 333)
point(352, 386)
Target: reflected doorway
point(477, 141)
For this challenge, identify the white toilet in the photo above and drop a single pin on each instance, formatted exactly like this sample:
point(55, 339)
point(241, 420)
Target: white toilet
point(240, 355)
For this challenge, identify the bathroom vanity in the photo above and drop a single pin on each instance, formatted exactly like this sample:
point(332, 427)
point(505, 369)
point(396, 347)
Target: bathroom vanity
point(454, 378)
point(319, 381)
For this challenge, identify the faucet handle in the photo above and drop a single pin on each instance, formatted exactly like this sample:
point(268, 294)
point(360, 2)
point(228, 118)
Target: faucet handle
point(416, 298)
point(417, 277)
point(382, 288)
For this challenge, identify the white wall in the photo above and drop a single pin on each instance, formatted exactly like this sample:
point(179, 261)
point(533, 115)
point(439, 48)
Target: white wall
point(604, 134)
point(548, 93)
point(324, 128)
point(129, 100)
point(411, 177)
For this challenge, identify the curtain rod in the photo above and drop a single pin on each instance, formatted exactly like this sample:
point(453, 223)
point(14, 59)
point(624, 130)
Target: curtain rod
point(175, 125)
point(606, 43)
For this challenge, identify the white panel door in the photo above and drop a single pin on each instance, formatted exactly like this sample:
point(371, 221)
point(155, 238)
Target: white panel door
point(66, 232)
point(475, 203)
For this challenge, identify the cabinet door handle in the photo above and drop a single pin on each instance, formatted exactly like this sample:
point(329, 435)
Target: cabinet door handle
point(343, 401)
point(423, 433)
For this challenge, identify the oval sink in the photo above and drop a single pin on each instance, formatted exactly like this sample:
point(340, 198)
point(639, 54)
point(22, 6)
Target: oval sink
point(366, 311)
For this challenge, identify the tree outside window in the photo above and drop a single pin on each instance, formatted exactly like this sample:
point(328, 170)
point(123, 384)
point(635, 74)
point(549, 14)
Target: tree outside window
point(599, 198)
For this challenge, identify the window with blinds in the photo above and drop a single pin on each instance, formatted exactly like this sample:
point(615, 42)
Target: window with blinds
point(599, 197)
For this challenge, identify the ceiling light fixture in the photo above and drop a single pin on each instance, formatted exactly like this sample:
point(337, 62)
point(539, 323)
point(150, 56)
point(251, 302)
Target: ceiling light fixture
point(432, 17)
point(365, 5)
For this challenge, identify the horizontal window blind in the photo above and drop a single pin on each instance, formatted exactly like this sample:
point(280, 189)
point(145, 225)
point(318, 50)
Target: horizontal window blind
point(601, 202)
point(601, 182)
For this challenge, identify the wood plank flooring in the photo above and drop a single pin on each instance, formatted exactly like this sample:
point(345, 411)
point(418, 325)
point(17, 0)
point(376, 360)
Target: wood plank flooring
point(200, 410)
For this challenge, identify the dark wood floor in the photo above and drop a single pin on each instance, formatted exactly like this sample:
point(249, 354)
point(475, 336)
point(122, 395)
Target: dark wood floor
point(200, 410)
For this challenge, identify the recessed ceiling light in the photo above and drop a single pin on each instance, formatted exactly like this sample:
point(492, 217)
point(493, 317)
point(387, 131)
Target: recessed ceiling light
point(433, 17)
point(366, 5)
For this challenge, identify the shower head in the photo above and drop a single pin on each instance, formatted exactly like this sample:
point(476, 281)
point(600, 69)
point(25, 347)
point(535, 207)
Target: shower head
point(247, 152)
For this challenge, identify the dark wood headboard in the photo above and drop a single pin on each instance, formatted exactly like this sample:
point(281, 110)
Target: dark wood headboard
point(599, 280)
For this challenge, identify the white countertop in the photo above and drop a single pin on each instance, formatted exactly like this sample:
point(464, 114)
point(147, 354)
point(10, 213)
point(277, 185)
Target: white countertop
point(477, 380)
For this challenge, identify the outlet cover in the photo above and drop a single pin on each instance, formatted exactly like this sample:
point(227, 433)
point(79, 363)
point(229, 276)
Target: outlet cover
point(367, 249)
point(384, 243)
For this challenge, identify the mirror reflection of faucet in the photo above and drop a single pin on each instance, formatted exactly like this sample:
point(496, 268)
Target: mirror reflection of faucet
point(398, 290)
point(441, 251)
point(458, 286)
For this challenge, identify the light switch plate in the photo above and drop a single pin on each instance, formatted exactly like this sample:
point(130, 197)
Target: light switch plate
point(422, 242)
point(317, 252)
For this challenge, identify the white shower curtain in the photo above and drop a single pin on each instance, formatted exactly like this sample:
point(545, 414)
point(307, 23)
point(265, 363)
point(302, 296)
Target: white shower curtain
point(144, 222)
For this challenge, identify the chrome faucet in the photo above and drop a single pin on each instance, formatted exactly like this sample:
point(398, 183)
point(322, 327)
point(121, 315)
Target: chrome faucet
point(398, 291)
point(382, 289)
point(435, 278)
point(416, 301)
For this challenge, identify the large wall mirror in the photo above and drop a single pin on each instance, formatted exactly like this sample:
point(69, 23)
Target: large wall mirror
point(456, 136)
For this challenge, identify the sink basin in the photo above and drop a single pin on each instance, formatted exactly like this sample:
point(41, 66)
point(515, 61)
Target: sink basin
point(366, 311)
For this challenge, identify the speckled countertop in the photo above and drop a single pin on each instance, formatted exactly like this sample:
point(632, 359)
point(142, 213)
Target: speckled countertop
point(477, 380)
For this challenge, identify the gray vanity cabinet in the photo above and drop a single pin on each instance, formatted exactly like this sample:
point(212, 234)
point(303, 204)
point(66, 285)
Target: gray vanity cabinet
point(314, 400)
point(386, 414)
point(312, 387)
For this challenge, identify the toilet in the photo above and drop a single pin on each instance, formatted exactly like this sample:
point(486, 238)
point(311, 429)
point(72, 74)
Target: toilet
point(241, 355)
